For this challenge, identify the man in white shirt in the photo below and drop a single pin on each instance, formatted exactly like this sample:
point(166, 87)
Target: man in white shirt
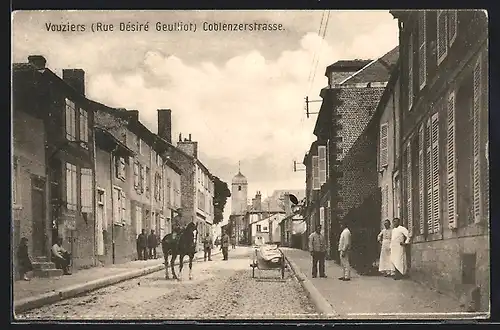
point(317, 248)
point(400, 238)
point(344, 249)
point(61, 257)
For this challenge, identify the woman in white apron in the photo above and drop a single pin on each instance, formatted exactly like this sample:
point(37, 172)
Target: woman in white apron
point(385, 265)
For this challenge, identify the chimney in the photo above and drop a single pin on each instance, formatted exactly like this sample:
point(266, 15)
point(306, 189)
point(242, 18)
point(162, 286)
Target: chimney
point(37, 61)
point(165, 124)
point(258, 201)
point(75, 78)
point(188, 146)
point(134, 114)
point(180, 137)
point(189, 139)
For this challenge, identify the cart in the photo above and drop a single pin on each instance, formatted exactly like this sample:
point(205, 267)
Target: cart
point(268, 258)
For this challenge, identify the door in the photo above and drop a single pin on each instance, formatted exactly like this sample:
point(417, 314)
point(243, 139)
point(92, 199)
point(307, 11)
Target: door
point(100, 222)
point(38, 216)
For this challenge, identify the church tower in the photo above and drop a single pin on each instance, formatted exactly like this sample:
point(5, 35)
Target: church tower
point(239, 194)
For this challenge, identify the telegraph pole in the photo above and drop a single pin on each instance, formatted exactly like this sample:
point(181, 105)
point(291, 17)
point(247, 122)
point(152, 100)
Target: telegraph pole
point(307, 106)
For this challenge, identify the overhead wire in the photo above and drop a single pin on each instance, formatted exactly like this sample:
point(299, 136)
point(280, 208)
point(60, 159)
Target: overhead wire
point(320, 47)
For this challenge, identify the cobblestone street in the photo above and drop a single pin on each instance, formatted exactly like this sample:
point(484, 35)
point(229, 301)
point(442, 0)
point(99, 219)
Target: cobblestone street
point(219, 290)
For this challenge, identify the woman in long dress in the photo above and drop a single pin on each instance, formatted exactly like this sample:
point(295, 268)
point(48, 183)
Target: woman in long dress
point(385, 265)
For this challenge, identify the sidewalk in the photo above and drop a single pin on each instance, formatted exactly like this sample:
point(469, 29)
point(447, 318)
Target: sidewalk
point(41, 291)
point(364, 296)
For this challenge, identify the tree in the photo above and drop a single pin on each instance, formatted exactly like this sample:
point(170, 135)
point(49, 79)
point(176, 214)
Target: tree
point(221, 194)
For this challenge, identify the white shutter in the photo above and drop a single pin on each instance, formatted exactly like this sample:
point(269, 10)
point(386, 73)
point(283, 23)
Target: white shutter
point(410, 71)
point(322, 164)
point(442, 38)
point(409, 204)
point(478, 207)
point(123, 206)
point(451, 165)
point(116, 206)
point(428, 158)
point(452, 26)
point(322, 219)
point(422, 45)
point(327, 160)
point(315, 168)
point(436, 198)
point(384, 129)
point(421, 179)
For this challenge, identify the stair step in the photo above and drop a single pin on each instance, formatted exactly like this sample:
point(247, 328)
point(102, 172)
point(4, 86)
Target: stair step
point(43, 265)
point(47, 272)
point(41, 259)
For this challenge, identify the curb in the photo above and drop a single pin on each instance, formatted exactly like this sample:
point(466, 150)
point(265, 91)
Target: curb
point(320, 303)
point(29, 303)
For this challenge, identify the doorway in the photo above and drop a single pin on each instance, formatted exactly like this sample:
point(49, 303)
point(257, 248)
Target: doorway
point(38, 216)
point(99, 222)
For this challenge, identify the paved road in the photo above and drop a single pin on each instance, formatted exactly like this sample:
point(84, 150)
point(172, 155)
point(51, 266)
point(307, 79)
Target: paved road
point(219, 290)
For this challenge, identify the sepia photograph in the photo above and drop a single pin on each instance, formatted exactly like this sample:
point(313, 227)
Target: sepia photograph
point(258, 164)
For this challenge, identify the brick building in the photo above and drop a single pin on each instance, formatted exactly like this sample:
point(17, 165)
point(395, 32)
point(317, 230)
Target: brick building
point(444, 138)
point(63, 195)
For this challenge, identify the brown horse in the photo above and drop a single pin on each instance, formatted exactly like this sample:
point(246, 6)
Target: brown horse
point(182, 244)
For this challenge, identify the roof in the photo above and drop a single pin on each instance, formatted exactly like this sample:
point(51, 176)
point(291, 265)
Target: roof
point(239, 178)
point(378, 70)
point(267, 218)
point(200, 164)
point(347, 65)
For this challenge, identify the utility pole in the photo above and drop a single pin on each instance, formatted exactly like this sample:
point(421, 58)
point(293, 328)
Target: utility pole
point(307, 106)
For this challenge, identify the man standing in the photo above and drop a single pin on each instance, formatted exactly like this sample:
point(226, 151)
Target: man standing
point(224, 245)
point(152, 244)
point(61, 257)
point(400, 238)
point(317, 247)
point(142, 244)
point(344, 249)
point(207, 247)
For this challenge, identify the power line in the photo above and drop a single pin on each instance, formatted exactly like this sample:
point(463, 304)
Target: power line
point(321, 44)
point(314, 54)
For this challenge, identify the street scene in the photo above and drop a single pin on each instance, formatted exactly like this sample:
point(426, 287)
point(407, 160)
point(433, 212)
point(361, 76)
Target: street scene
point(306, 164)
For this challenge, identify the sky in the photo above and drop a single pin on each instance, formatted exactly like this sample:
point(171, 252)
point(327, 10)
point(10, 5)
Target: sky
point(239, 94)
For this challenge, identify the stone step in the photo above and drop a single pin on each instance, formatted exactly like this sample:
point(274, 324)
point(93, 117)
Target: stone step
point(41, 259)
point(47, 272)
point(43, 265)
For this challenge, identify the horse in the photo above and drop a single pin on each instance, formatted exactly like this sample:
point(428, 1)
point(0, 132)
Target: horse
point(184, 244)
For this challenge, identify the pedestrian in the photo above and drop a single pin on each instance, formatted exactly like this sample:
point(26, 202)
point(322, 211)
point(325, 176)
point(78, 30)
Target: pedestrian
point(384, 238)
point(224, 245)
point(207, 247)
point(400, 238)
point(23, 260)
point(142, 250)
point(344, 251)
point(317, 248)
point(152, 244)
point(233, 242)
point(61, 257)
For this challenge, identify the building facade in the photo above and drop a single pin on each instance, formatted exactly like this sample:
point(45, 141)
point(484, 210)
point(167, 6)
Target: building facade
point(444, 138)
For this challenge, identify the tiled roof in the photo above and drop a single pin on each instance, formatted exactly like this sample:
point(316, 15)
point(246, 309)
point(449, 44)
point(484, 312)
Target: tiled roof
point(376, 71)
point(348, 64)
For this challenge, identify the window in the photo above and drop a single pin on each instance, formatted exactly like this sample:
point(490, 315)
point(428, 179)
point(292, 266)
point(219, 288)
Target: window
point(117, 210)
point(86, 189)
point(315, 168)
point(120, 168)
point(442, 37)
point(433, 195)
point(123, 205)
point(70, 119)
point(384, 129)
point(477, 109)
point(422, 54)
point(142, 178)
point(239, 188)
point(451, 165)
point(410, 72)
point(169, 194)
point(71, 187)
point(15, 181)
point(259, 228)
point(84, 128)
point(322, 164)
point(452, 26)
point(148, 180)
point(136, 175)
point(421, 180)
point(409, 190)
point(138, 220)
point(138, 144)
point(264, 228)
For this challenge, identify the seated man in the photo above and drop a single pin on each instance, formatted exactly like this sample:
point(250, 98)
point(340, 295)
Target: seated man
point(61, 257)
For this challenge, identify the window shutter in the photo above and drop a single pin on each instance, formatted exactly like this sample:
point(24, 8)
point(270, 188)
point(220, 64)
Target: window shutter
point(327, 159)
point(123, 207)
point(409, 204)
point(442, 38)
point(421, 179)
point(69, 186)
point(322, 164)
point(451, 165)
point(136, 175)
point(117, 206)
point(422, 54)
point(385, 202)
point(384, 129)
point(477, 144)
point(410, 72)
point(316, 184)
point(452, 26)
point(428, 145)
point(435, 174)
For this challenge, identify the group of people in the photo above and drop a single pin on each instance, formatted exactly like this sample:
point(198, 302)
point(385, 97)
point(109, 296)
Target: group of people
point(59, 256)
point(147, 244)
point(392, 255)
